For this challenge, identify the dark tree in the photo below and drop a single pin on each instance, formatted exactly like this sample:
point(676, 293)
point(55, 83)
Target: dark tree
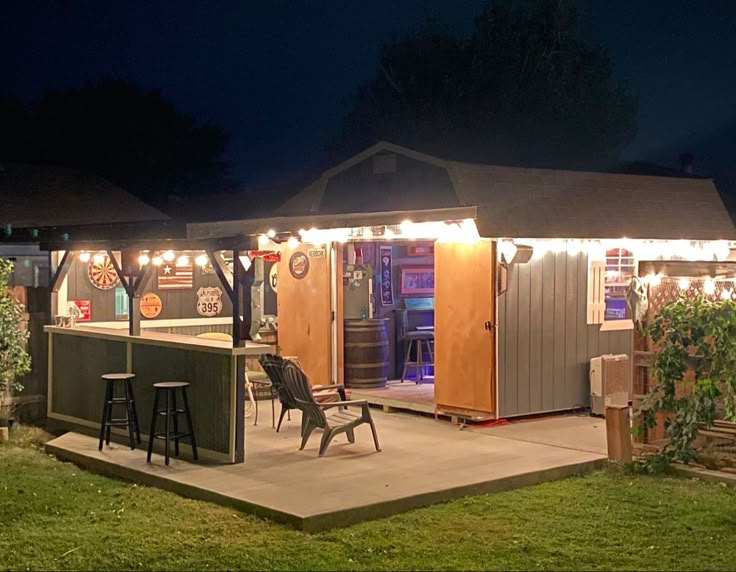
point(133, 137)
point(524, 89)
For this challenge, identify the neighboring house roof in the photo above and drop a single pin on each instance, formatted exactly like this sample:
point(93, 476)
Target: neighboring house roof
point(50, 196)
point(546, 203)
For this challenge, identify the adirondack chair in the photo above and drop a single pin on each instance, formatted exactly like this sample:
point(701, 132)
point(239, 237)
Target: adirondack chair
point(273, 365)
point(334, 417)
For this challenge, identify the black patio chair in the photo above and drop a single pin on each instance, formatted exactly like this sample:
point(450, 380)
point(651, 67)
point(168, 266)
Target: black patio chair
point(334, 417)
point(273, 365)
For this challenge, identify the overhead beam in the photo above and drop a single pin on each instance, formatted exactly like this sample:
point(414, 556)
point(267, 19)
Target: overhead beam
point(123, 279)
point(143, 278)
point(62, 270)
point(57, 280)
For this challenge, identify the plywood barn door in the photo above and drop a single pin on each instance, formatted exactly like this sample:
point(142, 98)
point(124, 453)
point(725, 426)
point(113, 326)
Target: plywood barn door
point(304, 312)
point(464, 324)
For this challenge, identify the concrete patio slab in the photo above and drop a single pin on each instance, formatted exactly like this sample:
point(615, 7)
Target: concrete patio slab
point(578, 432)
point(422, 462)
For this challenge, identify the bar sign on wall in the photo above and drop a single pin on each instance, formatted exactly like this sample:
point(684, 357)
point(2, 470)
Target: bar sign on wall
point(175, 276)
point(387, 291)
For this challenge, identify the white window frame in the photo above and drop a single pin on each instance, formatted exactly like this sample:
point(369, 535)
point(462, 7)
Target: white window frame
point(596, 307)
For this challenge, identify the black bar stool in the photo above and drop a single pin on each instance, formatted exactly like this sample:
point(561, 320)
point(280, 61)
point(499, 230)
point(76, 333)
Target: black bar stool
point(131, 415)
point(171, 415)
point(416, 339)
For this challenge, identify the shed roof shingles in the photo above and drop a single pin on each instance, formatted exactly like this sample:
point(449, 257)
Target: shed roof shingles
point(46, 196)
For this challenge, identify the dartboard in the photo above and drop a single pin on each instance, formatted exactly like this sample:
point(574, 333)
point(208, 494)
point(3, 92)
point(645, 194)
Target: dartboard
point(102, 273)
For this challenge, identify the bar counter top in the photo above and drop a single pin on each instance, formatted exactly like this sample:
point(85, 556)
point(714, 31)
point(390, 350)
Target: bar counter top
point(165, 340)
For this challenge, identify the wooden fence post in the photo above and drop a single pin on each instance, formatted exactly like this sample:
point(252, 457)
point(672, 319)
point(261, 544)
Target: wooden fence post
point(618, 433)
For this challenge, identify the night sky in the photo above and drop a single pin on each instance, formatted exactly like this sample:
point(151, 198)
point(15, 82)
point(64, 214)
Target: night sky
point(278, 75)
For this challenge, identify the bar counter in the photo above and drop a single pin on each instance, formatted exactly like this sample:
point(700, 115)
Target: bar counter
point(78, 356)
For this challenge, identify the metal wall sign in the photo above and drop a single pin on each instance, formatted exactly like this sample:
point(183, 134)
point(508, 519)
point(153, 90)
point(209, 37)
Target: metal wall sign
point(387, 291)
point(209, 301)
point(273, 277)
point(150, 305)
point(299, 265)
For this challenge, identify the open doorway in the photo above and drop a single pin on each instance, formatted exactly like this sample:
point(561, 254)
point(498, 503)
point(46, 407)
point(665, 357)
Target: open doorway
point(388, 308)
point(403, 314)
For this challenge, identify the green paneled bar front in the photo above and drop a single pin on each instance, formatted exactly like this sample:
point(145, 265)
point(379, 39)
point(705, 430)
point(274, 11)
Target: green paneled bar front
point(79, 356)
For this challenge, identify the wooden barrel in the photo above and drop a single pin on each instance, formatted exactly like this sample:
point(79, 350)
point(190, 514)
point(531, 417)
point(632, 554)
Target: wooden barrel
point(366, 353)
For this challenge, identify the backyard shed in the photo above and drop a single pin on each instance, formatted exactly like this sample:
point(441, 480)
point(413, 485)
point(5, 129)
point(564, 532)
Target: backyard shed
point(521, 274)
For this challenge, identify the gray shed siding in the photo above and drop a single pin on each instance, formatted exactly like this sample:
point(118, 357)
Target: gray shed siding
point(544, 342)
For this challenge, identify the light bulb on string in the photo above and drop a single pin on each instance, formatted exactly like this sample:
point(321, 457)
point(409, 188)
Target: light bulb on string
point(709, 286)
point(84, 257)
point(683, 283)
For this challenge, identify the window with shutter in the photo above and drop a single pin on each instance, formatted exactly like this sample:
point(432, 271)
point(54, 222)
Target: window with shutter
point(620, 269)
point(596, 291)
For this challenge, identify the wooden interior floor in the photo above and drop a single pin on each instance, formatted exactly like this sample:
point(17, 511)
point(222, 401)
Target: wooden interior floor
point(408, 396)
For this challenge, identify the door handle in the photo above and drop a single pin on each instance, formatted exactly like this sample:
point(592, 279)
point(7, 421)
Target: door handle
point(488, 326)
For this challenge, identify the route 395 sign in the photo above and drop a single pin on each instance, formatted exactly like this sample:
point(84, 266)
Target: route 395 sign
point(209, 301)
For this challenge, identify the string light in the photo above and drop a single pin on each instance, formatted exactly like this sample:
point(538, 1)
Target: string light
point(201, 260)
point(157, 260)
point(98, 258)
point(169, 255)
point(143, 259)
point(84, 257)
point(263, 240)
point(709, 286)
point(683, 283)
point(271, 233)
point(293, 242)
point(182, 261)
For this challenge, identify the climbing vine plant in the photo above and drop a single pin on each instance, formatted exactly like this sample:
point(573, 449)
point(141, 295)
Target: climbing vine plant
point(695, 369)
point(14, 359)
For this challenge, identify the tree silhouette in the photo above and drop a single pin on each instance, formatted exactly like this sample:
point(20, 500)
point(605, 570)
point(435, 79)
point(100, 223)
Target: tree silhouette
point(135, 138)
point(524, 89)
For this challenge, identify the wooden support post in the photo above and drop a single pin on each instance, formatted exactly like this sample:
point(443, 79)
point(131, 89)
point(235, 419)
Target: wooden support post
point(246, 278)
point(237, 267)
point(239, 409)
point(618, 433)
point(256, 297)
point(139, 284)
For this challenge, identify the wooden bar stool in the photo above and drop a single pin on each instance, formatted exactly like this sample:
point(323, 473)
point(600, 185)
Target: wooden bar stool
point(131, 415)
point(171, 413)
point(417, 340)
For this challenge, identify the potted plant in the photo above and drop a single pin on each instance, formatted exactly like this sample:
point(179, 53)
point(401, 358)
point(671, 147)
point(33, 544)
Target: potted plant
point(14, 359)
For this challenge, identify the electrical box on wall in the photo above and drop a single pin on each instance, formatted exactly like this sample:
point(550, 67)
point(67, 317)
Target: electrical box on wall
point(609, 382)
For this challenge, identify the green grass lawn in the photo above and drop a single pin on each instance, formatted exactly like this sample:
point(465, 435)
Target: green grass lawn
point(54, 515)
